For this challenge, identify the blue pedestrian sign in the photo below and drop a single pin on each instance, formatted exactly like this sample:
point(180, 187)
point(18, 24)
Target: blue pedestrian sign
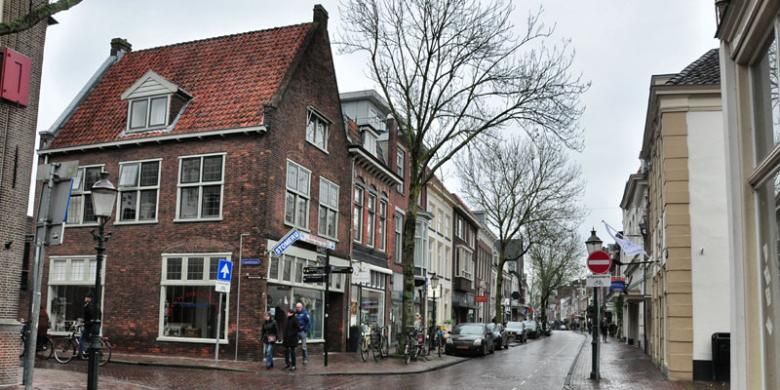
point(224, 273)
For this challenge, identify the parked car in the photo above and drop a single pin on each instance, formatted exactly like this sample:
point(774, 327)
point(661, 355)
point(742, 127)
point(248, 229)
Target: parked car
point(470, 337)
point(563, 327)
point(517, 331)
point(500, 336)
point(532, 327)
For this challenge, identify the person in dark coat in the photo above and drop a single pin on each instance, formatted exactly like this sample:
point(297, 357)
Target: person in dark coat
point(268, 337)
point(604, 327)
point(290, 340)
point(90, 316)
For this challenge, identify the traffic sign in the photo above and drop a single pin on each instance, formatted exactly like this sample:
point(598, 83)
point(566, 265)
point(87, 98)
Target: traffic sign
point(316, 278)
point(314, 270)
point(599, 262)
point(340, 270)
point(286, 241)
point(224, 273)
point(618, 283)
point(598, 281)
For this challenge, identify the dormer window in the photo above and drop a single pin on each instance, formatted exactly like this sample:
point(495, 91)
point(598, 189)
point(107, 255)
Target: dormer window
point(369, 140)
point(153, 103)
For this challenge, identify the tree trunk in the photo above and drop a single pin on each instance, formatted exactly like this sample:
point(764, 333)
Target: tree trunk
point(500, 287)
point(407, 256)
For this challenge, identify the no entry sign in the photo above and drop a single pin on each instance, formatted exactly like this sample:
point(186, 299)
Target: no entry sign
point(599, 262)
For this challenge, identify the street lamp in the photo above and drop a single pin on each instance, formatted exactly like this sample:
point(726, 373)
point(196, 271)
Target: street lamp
point(593, 244)
point(103, 200)
point(434, 286)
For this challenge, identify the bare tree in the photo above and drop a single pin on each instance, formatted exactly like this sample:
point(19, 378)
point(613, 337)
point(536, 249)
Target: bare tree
point(452, 70)
point(554, 263)
point(36, 15)
point(522, 187)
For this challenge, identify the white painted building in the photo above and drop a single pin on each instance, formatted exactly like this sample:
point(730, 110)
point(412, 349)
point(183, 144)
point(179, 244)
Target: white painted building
point(636, 301)
point(440, 229)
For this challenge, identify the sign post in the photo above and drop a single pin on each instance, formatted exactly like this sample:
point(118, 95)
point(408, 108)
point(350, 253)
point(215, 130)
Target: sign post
point(599, 262)
point(221, 285)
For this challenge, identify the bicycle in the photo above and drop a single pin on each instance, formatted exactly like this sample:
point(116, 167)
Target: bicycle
point(374, 339)
point(436, 338)
point(415, 345)
point(44, 348)
point(70, 347)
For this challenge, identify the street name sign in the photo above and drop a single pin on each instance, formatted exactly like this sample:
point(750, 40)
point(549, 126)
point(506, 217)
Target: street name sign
point(286, 241)
point(224, 273)
point(340, 270)
point(314, 270)
point(315, 278)
point(598, 281)
point(251, 261)
point(599, 262)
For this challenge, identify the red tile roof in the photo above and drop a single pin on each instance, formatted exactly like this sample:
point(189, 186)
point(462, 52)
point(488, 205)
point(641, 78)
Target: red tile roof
point(230, 78)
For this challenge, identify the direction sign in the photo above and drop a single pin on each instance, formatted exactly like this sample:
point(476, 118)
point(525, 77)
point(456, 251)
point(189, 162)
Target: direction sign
point(316, 278)
point(286, 241)
point(314, 270)
point(598, 281)
point(599, 262)
point(340, 270)
point(224, 273)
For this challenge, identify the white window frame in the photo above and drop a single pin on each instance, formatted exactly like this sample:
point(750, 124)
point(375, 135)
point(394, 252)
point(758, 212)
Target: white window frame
point(382, 224)
point(465, 267)
point(200, 184)
point(88, 281)
point(206, 281)
point(148, 100)
point(297, 194)
point(138, 189)
point(398, 231)
point(400, 163)
point(327, 207)
point(358, 230)
point(371, 220)
point(314, 115)
point(82, 193)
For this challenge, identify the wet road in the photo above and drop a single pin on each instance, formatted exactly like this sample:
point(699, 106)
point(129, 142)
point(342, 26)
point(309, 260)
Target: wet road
point(539, 364)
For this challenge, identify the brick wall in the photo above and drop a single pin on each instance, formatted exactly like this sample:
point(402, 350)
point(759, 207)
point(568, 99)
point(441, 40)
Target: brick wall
point(17, 142)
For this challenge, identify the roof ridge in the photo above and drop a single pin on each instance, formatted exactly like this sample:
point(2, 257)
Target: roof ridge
point(220, 37)
point(693, 73)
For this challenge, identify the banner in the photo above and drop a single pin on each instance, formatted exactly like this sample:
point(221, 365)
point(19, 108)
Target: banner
point(629, 247)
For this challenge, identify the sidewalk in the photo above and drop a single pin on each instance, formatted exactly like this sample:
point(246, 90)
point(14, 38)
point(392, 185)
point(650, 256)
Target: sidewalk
point(624, 367)
point(339, 363)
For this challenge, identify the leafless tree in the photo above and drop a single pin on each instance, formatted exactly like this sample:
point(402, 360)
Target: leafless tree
point(36, 15)
point(452, 70)
point(524, 188)
point(554, 263)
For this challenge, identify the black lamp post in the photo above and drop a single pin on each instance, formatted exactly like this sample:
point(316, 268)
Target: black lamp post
point(594, 244)
point(434, 287)
point(103, 200)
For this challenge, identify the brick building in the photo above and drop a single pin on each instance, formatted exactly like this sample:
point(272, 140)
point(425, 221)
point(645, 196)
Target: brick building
point(18, 121)
point(218, 148)
point(465, 229)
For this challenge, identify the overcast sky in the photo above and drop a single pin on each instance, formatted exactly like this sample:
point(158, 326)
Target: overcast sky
point(619, 44)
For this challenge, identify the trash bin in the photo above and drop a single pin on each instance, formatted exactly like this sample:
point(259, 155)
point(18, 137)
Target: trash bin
point(721, 351)
point(354, 339)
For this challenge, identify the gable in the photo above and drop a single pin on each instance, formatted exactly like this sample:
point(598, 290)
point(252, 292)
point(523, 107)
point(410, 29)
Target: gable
point(149, 84)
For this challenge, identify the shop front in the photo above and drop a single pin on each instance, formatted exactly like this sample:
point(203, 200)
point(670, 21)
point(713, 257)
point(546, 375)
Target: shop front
point(463, 307)
point(367, 299)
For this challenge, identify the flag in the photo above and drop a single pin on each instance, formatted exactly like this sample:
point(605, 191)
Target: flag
point(629, 247)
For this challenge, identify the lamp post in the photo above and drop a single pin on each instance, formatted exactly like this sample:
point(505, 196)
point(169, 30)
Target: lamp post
point(593, 244)
point(434, 287)
point(103, 200)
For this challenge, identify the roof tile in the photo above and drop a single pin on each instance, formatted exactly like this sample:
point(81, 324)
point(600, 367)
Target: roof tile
point(704, 71)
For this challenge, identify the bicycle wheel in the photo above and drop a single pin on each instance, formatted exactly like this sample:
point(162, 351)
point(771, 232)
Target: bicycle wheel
point(65, 350)
point(364, 350)
point(45, 349)
point(376, 352)
point(384, 347)
point(407, 353)
point(105, 353)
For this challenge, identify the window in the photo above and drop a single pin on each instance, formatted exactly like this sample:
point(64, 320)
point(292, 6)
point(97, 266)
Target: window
point(357, 214)
point(465, 263)
point(148, 113)
point(279, 298)
point(317, 131)
point(139, 183)
point(399, 228)
point(382, 224)
point(296, 205)
point(369, 141)
point(329, 208)
point(80, 205)
point(188, 302)
point(370, 220)
point(200, 187)
point(70, 279)
point(399, 168)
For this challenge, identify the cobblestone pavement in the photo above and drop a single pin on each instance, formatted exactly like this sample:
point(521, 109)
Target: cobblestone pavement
point(540, 364)
point(625, 367)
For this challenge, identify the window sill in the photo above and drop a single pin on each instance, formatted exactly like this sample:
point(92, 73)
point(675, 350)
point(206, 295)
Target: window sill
point(318, 147)
point(336, 240)
point(297, 227)
point(92, 224)
point(191, 340)
point(179, 220)
point(150, 222)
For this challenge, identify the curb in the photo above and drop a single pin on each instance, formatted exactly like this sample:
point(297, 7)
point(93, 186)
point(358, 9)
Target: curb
point(567, 382)
point(384, 373)
point(177, 365)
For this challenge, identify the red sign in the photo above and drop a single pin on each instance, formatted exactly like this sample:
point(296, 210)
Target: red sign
point(480, 298)
point(599, 262)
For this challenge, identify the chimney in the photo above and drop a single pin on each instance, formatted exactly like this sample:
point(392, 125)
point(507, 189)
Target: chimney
point(120, 46)
point(320, 16)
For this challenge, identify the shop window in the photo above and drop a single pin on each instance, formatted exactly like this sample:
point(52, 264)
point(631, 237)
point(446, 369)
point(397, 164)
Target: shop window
point(70, 279)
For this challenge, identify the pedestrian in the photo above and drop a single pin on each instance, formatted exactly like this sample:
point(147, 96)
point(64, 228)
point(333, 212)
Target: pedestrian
point(43, 326)
point(290, 340)
point(90, 316)
point(268, 337)
point(304, 322)
point(604, 328)
point(418, 324)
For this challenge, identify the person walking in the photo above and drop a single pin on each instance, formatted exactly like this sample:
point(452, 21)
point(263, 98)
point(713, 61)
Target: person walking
point(290, 340)
point(304, 322)
point(268, 337)
point(90, 316)
point(604, 327)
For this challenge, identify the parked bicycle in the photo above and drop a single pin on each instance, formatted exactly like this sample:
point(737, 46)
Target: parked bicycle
point(415, 345)
point(70, 347)
point(44, 348)
point(374, 340)
point(436, 340)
